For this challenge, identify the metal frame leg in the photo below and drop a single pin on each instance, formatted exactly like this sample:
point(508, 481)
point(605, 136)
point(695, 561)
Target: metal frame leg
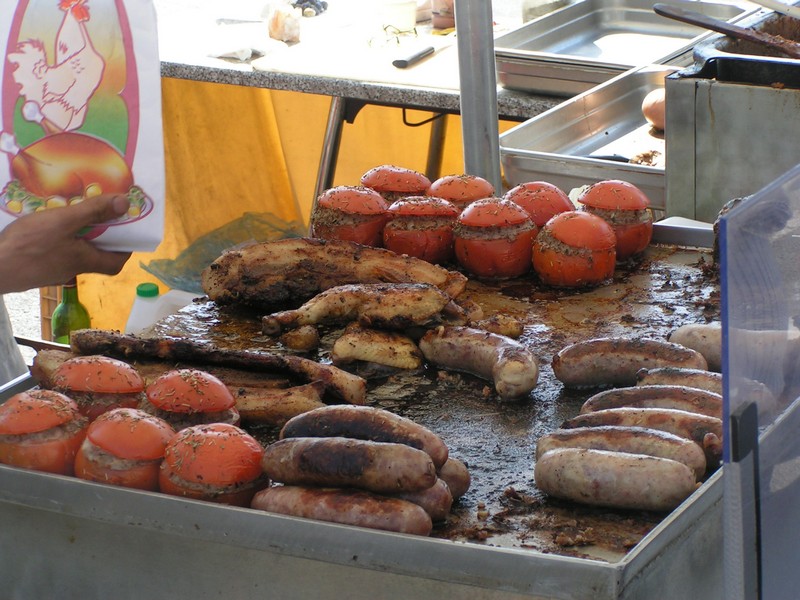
point(433, 167)
point(330, 148)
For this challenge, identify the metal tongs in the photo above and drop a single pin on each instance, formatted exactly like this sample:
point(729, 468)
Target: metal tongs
point(787, 47)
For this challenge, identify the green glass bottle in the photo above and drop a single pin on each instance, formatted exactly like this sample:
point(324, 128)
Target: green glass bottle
point(69, 315)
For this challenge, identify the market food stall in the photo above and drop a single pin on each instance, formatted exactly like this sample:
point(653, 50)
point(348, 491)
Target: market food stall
point(503, 538)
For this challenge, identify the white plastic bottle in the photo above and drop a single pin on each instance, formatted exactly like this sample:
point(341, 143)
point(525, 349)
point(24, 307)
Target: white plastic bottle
point(144, 307)
point(149, 307)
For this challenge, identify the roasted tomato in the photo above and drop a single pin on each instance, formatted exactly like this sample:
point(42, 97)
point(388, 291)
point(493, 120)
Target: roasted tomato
point(422, 227)
point(41, 430)
point(124, 447)
point(625, 207)
point(350, 213)
point(99, 384)
point(216, 462)
point(185, 397)
point(394, 183)
point(574, 249)
point(493, 237)
point(542, 200)
point(461, 189)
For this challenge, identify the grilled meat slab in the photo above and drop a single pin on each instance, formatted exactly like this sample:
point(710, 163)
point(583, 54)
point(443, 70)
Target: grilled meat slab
point(344, 385)
point(288, 272)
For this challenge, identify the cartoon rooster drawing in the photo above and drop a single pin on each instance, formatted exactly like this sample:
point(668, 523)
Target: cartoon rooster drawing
point(57, 95)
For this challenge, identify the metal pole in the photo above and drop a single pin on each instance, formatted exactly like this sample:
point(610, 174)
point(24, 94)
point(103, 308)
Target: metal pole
point(478, 83)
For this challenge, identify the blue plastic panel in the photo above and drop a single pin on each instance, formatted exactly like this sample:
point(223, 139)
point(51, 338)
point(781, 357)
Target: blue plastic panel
point(760, 285)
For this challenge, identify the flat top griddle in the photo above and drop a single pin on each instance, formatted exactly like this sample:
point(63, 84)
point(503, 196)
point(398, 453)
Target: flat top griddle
point(666, 288)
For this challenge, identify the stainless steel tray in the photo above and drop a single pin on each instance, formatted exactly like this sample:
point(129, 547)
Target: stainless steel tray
point(574, 48)
point(561, 145)
point(63, 537)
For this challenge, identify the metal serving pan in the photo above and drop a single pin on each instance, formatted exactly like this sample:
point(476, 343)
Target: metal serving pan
point(572, 49)
point(564, 144)
point(65, 538)
point(718, 45)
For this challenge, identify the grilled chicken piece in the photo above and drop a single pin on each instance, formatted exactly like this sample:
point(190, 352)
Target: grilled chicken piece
point(380, 305)
point(281, 273)
point(386, 348)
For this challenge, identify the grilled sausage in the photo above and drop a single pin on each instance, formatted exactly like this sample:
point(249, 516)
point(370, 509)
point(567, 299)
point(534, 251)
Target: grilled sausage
point(704, 430)
point(696, 378)
point(657, 396)
point(614, 479)
point(615, 361)
point(630, 440)
point(436, 500)
point(456, 475)
point(510, 365)
point(705, 338)
point(366, 423)
point(380, 467)
point(349, 507)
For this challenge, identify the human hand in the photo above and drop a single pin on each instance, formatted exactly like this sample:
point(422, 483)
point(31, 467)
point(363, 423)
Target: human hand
point(43, 248)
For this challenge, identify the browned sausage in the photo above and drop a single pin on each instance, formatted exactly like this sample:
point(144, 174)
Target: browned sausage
point(657, 396)
point(436, 500)
point(705, 338)
point(366, 423)
point(631, 440)
point(380, 467)
point(510, 365)
point(697, 378)
point(704, 430)
point(616, 360)
point(456, 475)
point(615, 479)
point(349, 507)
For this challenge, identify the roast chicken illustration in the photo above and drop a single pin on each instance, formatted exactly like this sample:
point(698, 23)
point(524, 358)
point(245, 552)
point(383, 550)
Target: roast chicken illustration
point(57, 95)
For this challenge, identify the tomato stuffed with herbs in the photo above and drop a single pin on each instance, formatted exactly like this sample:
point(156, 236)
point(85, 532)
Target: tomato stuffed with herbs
point(98, 384)
point(542, 200)
point(461, 190)
point(626, 208)
point(124, 447)
point(393, 182)
point(574, 249)
point(184, 397)
point(350, 213)
point(493, 238)
point(41, 430)
point(215, 462)
point(422, 227)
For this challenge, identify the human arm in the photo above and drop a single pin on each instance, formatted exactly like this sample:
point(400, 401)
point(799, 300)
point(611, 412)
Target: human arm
point(43, 248)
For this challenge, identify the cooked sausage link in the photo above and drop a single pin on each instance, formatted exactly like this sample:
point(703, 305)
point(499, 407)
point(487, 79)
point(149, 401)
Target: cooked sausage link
point(615, 360)
point(380, 467)
point(436, 500)
point(704, 430)
point(456, 475)
point(349, 507)
point(510, 365)
point(631, 440)
point(614, 479)
point(697, 378)
point(366, 423)
point(657, 396)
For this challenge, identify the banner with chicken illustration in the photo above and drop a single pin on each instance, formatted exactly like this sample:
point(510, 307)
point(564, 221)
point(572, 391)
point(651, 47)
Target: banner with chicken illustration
point(80, 113)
